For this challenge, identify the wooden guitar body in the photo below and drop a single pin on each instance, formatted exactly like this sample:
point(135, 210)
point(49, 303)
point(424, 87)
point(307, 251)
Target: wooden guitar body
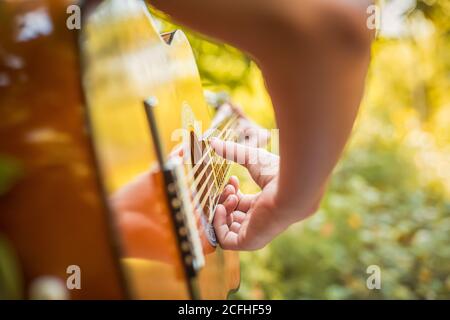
point(91, 189)
point(53, 215)
point(138, 63)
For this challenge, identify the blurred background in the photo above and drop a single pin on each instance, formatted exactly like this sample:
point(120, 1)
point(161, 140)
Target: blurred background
point(388, 203)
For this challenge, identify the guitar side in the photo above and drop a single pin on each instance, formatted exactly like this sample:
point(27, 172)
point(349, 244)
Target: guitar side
point(53, 214)
point(125, 61)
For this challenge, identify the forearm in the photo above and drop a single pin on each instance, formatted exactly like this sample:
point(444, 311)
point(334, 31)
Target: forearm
point(316, 87)
point(254, 26)
point(314, 56)
point(315, 113)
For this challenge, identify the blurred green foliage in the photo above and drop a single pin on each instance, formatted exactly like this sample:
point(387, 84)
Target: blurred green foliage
point(10, 171)
point(388, 203)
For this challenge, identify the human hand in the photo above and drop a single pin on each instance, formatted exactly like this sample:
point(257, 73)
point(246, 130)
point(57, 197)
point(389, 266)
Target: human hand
point(250, 221)
point(248, 132)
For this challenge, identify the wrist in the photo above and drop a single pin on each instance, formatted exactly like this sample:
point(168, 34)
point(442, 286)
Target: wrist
point(292, 211)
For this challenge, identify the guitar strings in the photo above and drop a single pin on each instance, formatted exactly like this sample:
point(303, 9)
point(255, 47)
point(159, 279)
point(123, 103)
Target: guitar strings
point(207, 197)
point(217, 173)
point(199, 194)
point(198, 179)
point(215, 198)
point(191, 176)
point(208, 149)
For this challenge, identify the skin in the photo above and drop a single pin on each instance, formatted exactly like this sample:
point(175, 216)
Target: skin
point(137, 204)
point(314, 56)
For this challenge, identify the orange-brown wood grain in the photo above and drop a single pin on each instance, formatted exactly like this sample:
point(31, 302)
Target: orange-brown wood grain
point(89, 191)
point(53, 214)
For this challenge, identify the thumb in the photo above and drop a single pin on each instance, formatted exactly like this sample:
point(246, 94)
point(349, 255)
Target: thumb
point(253, 159)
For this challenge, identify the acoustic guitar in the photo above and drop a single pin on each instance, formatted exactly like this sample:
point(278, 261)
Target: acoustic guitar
point(108, 129)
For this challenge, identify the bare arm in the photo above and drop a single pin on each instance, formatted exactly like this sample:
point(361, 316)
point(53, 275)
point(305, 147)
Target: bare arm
point(314, 56)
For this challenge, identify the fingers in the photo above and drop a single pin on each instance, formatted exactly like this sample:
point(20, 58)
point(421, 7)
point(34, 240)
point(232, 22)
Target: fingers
point(231, 203)
point(251, 134)
point(227, 191)
point(233, 199)
point(262, 165)
point(231, 188)
point(227, 222)
point(235, 217)
point(238, 216)
point(245, 202)
point(227, 238)
point(233, 151)
point(234, 227)
point(234, 181)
